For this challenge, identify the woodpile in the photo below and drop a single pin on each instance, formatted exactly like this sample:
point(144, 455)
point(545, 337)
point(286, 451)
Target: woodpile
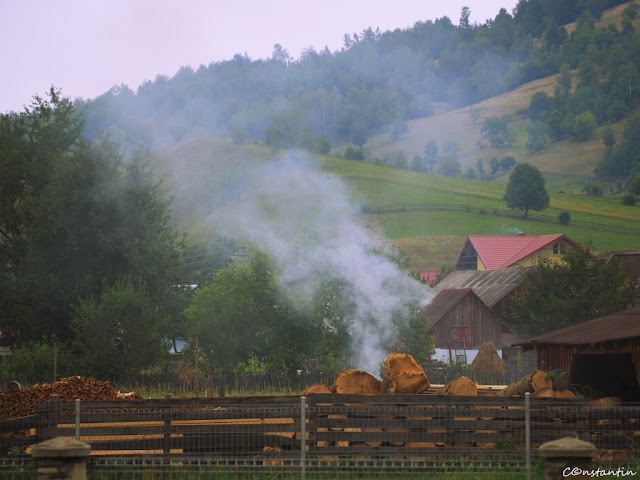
point(550, 392)
point(316, 388)
point(356, 381)
point(23, 402)
point(461, 386)
point(403, 375)
point(529, 383)
point(487, 362)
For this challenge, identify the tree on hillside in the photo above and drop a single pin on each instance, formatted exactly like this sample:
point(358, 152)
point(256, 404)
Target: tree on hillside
point(577, 288)
point(526, 189)
point(496, 130)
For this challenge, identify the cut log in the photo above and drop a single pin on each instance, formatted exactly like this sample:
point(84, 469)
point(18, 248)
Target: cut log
point(357, 382)
point(544, 392)
point(462, 386)
point(530, 383)
point(403, 375)
point(565, 393)
point(316, 388)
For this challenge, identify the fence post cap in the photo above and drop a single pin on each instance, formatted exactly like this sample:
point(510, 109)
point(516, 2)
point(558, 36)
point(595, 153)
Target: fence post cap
point(567, 447)
point(59, 447)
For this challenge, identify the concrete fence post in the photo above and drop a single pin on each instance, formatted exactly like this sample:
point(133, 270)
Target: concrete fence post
point(61, 458)
point(567, 457)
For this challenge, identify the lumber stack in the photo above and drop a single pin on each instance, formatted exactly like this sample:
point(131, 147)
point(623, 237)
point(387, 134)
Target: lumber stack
point(23, 402)
point(529, 383)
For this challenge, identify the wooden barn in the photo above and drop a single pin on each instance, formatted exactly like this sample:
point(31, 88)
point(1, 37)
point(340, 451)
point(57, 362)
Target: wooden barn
point(460, 322)
point(602, 354)
point(496, 288)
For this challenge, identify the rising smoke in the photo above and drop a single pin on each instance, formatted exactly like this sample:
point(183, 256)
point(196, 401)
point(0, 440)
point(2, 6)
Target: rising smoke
point(306, 220)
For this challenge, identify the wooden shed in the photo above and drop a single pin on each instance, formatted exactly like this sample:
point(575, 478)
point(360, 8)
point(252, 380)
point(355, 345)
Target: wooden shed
point(460, 320)
point(602, 354)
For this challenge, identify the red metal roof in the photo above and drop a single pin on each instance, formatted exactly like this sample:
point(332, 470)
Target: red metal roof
point(501, 251)
point(617, 326)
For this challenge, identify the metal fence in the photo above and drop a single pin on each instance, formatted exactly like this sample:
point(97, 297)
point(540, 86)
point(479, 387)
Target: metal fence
point(327, 435)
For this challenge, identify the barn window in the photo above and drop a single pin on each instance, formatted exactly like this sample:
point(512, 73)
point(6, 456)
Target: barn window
point(556, 248)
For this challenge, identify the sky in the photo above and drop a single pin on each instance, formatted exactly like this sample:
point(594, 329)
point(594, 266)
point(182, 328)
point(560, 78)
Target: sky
point(85, 47)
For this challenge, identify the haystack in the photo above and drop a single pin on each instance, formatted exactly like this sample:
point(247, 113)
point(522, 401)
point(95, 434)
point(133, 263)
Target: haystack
point(487, 362)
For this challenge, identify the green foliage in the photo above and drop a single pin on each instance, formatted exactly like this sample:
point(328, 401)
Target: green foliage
point(73, 215)
point(353, 153)
point(507, 163)
point(560, 379)
point(378, 78)
point(121, 332)
point(34, 361)
point(526, 189)
point(584, 125)
point(449, 167)
point(538, 137)
point(624, 159)
point(398, 128)
point(496, 130)
point(592, 189)
point(608, 137)
point(564, 218)
point(243, 318)
point(634, 184)
point(629, 199)
point(576, 288)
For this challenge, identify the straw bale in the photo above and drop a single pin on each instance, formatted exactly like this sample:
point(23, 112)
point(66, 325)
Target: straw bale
point(487, 361)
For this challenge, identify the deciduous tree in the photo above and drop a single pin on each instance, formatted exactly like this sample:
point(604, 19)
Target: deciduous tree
point(577, 288)
point(526, 189)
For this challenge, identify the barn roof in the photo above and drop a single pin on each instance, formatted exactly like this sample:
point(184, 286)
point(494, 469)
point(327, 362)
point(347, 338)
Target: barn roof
point(501, 251)
point(444, 301)
point(490, 285)
point(632, 260)
point(617, 326)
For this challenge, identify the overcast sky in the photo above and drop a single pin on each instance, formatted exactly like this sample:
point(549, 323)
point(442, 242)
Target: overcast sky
point(85, 47)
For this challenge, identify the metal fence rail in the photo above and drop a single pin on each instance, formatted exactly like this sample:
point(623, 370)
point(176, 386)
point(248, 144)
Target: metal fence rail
point(326, 433)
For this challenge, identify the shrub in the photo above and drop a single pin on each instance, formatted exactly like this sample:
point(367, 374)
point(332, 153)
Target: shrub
point(564, 218)
point(629, 199)
point(353, 153)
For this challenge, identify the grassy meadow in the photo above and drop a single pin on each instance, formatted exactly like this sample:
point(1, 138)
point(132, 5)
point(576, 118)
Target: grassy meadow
point(433, 239)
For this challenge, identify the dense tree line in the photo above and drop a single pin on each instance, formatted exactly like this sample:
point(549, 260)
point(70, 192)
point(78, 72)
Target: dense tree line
point(375, 81)
point(95, 274)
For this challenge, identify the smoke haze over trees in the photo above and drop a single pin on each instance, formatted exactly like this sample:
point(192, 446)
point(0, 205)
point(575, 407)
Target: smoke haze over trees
point(376, 79)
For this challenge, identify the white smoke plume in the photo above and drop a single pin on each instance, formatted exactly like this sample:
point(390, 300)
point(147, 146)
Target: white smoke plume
point(290, 199)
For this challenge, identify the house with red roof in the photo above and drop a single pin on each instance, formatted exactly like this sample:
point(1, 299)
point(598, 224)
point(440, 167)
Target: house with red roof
point(494, 252)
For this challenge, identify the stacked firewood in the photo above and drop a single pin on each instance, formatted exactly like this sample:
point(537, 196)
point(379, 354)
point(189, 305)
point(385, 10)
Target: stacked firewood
point(23, 402)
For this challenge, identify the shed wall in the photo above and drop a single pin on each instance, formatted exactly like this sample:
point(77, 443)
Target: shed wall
point(471, 313)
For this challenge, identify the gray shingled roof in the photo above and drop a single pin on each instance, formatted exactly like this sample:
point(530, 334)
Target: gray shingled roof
point(490, 285)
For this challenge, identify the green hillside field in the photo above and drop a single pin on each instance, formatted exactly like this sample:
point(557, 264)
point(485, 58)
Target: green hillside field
point(432, 239)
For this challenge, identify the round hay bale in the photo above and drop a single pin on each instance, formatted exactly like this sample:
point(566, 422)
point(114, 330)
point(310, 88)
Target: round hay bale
point(487, 362)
